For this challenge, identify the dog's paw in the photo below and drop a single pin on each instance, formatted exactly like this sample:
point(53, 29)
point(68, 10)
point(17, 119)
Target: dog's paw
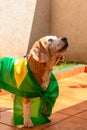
point(28, 124)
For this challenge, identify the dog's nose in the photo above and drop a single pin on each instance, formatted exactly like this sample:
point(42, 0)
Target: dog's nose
point(64, 39)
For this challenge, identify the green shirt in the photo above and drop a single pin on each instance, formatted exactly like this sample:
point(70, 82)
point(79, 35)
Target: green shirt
point(17, 78)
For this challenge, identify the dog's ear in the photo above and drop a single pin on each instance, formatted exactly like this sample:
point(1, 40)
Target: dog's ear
point(39, 52)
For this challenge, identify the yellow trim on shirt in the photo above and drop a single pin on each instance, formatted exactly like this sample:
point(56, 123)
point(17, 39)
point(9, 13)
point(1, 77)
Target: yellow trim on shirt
point(20, 70)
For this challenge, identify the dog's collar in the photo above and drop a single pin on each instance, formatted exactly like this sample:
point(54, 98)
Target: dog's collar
point(25, 56)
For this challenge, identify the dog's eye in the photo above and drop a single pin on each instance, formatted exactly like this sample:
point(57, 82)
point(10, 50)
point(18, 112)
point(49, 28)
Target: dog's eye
point(50, 40)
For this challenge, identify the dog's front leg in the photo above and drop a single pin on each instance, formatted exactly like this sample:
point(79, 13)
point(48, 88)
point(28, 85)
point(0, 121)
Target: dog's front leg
point(26, 110)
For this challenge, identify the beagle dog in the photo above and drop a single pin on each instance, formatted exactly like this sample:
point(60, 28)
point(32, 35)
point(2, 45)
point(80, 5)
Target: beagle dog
point(45, 53)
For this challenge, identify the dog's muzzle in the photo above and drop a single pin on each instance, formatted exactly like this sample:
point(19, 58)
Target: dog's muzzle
point(65, 44)
point(65, 41)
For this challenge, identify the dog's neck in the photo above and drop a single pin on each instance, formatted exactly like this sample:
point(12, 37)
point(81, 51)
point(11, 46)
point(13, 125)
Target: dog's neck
point(41, 71)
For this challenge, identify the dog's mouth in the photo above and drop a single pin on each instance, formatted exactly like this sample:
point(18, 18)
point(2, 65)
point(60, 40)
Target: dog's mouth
point(64, 48)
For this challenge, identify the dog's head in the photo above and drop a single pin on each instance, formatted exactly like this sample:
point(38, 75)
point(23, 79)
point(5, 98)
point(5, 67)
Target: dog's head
point(49, 47)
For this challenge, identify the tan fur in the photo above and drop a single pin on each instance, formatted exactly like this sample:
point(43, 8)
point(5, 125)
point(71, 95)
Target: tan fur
point(45, 53)
point(43, 56)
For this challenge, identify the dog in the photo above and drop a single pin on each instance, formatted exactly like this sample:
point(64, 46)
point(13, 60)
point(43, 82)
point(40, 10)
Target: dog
point(45, 53)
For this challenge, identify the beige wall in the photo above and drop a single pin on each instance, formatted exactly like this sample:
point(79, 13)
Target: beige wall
point(41, 21)
point(15, 25)
point(69, 18)
point(23, 21)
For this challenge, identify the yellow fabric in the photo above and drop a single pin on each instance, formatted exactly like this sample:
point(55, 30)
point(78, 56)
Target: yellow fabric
point(20, 70)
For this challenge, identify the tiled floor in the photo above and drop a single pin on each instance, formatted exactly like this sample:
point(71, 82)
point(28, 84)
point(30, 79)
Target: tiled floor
point(69, 112)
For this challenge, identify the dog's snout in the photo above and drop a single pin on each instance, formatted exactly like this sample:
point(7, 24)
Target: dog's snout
point(65, 41)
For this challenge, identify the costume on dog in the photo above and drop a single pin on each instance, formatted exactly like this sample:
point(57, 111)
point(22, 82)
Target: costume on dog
point(17, 78)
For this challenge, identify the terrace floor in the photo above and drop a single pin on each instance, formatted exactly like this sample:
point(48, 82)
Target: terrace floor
point(69, 112)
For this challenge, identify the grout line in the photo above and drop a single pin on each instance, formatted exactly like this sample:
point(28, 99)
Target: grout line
point(6, 109)
point(9, 125)
point(56, 123)
point(74, 114)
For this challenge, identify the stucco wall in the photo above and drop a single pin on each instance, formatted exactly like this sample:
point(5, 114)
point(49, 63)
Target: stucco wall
point(22, 22)
point(69, 18)
point(15, 25)
point(41, 21)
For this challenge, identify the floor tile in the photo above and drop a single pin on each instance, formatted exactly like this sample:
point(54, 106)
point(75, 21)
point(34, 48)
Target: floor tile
point(7, 117)
point(6, 103)
point(75, 109)
point(83, 115)
point(64, 102)
point(56, 117)
point(6, 127)
point(75, 86)
point(3, 92)
point(72, 123)
point(6, 97)
point(3, 109)
point(77, 93)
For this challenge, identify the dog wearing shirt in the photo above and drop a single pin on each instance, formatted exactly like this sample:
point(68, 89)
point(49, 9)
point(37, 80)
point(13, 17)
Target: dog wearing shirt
point(45, 53)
